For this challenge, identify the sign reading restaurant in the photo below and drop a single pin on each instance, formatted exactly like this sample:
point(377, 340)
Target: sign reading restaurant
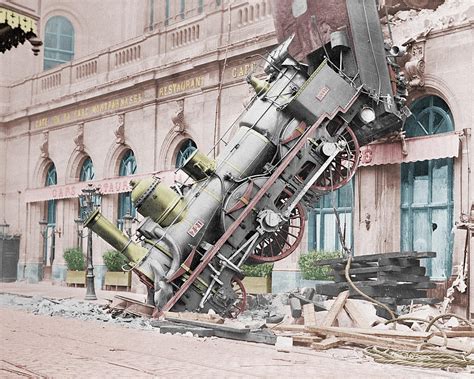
point(94, 109)
point(174, 88)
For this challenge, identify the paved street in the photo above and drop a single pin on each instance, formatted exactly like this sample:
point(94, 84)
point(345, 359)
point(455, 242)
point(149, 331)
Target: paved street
point(56, 347)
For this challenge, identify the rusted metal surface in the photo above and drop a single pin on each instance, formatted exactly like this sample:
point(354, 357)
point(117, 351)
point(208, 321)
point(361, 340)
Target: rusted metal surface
point(132, 306)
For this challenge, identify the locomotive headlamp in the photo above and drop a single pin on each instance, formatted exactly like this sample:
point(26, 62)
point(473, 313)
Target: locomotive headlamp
point(367, 115)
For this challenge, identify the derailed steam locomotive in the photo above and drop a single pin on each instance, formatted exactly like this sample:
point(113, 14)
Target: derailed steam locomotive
point(298, 139)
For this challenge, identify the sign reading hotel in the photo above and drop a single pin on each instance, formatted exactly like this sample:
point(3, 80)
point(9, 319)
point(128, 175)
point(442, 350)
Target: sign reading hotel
point(95, 109)
point(181, 86)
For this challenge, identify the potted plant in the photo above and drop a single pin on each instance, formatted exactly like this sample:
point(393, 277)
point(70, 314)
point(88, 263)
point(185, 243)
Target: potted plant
point(309, 270)
point(75, 263)
point(258, 277)
point(115, 276)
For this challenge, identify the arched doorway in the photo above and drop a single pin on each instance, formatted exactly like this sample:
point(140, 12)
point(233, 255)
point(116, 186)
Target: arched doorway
point(128, 166)
point(185, 150)
point(49, 245)
point(427, 191)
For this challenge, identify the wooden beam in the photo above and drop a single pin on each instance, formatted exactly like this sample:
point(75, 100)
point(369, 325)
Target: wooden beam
point(309, 315)
point(350, 332)
point(356, 315)
point(335, 309)
point(328, 343)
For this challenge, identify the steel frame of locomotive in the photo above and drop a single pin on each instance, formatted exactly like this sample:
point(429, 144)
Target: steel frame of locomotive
point(298, 139)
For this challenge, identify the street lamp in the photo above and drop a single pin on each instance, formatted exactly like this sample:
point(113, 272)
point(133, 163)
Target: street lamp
point(80, 230)
point(43, 230)
point(127, 224)
point(4, 228)
point(89, 200)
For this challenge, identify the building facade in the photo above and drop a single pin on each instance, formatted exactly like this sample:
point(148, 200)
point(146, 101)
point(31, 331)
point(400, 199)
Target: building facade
point(133, 89)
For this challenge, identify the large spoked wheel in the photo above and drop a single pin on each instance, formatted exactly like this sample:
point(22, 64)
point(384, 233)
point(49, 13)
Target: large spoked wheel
point(342, 168)
point(282, 242)
point(240, 302)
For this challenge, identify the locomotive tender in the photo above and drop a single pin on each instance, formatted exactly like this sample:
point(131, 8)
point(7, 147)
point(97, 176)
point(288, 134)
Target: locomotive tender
point(298, 139)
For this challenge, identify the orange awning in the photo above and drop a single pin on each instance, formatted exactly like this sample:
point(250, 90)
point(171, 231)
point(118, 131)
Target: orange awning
point(424, 148)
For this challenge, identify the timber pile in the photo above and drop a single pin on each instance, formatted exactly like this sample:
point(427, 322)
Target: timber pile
point(391, 278)
point(365, 329)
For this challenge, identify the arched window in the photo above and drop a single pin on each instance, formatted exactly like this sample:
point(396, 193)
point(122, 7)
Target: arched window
point(128, 166)
point(323, 233)
point(58, 42)
point(427, 191)
point(49, 236)
point(87, 171)
point(187, 147)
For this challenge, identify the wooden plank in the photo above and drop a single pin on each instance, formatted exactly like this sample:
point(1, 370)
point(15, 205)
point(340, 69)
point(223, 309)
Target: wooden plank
point(215, 319)
point(401, 277)
point(453, 344)
point(365, 340)
point(368, 270)
point(309, 315)
point(350, 332)
point(457, 333)
point(286, 327)
point(356, 315)
point(224, 328)
point(335, 309)
point(326, 344)
point(305, 340)
point(376, 257)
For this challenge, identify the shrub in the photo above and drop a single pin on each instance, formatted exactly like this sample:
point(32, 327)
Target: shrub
point(74, 259)
point(263, 270)
point(114, 261)
point(309, 270)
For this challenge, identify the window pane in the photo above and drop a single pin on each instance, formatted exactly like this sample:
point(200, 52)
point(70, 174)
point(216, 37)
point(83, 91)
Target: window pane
point(65, 43)
point(329, 232)
point(346, 229)
point(345, 196)
point(420, 182)
point(405, 171)
point(440, 189)
point(318, 244)
point(421, 233)
point(406, 231)
point(440, 238)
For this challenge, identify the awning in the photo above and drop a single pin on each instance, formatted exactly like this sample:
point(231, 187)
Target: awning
point(436, 146)
point(16, 28)
point(118, 184)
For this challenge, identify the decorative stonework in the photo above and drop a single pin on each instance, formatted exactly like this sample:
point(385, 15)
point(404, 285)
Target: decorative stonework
point(120, 130)
point(178, 118)
point(79, 137)
point(44, 147)
point(415, 67)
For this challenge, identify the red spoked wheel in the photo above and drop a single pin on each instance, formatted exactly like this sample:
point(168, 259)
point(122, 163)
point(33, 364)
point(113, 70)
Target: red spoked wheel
point(342, 168)
point(282, 242)
point(240, 302)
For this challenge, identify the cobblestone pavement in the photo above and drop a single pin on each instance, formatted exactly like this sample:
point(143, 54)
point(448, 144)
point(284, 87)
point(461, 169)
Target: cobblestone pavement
point(55, 347)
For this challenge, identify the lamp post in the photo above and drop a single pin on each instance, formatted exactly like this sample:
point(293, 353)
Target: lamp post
point(80, 230)
point(127, 224)
point(43, 230)
point(90, 200)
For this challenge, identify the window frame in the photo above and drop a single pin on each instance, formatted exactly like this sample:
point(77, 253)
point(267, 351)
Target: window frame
point(56, 50)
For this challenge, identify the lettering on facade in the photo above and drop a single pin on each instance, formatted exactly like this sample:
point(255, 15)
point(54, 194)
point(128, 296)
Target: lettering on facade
point(118, 185)
point(95, 109)
point(243, 70)
point(181, 86)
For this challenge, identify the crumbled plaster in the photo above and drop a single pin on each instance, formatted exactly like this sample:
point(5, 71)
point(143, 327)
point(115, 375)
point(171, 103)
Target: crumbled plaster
point(414, 23)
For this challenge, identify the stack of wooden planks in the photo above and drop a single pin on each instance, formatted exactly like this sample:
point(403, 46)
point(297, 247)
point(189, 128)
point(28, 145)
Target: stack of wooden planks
point(391, 278)
point(319, 333)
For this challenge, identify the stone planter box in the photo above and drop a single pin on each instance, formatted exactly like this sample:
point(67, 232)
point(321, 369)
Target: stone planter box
point(76, 278)
point(257, 285)
point(113, 280)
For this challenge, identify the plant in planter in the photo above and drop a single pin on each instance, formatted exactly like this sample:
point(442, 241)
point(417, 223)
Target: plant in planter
point(258, 278)
point(115, 276)
point(309, 270)
point(75, 263)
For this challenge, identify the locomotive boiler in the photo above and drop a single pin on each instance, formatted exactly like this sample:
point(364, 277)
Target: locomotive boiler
point(297, 139)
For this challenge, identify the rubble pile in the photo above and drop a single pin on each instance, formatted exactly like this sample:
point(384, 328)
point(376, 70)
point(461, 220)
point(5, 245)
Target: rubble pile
point(72, 308)
point(409, 23)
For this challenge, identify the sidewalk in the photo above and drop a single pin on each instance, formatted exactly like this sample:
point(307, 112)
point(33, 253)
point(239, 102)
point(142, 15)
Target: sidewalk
point(49, 289)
